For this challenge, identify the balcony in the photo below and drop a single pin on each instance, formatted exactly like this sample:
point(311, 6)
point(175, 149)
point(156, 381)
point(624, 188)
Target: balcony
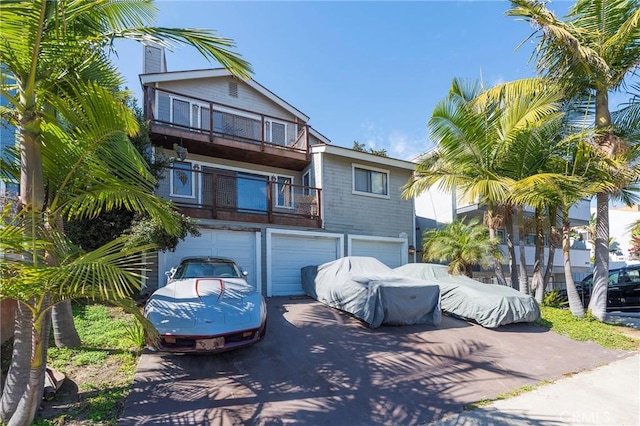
point(240, 197)
point(222, 131)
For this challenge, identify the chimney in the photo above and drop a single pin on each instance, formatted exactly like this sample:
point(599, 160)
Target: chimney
point(154, 60)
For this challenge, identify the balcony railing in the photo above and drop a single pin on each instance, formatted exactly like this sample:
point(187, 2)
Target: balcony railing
point(235, 196)
point(215, 119)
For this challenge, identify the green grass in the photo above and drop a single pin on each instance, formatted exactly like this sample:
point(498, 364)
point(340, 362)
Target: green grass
point(586, 329)
point(102, 368)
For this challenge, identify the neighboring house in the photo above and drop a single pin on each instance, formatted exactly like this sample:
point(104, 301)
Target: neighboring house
point(621, 220)
point(8, 191)
point(456, 207)
point(267, 189)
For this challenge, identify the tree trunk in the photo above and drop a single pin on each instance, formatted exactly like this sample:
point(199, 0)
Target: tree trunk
point(32, 397)
point(18, 375)
point(575, 303)
point(491, 222)
point(513, 266)
point(64, 329)
point(553, 242)
point(538, 279)
point(598, 302)
point(524, 277)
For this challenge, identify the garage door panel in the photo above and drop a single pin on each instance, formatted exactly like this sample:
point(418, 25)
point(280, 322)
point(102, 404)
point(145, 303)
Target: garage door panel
point(239, 246)
point(290, 253)
point(388, 252)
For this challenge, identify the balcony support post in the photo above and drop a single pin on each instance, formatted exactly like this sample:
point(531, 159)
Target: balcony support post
point(270, 190)
point(262, 135)
point(214, 207)
point(210, 121)
point(318, 192)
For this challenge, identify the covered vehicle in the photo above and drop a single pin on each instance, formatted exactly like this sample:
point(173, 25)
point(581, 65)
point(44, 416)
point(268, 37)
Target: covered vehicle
point(373, 292)
point(487, 304)
point(206, 306)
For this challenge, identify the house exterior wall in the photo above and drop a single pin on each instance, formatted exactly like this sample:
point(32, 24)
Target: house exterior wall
point(347, 212)
point(217, 90)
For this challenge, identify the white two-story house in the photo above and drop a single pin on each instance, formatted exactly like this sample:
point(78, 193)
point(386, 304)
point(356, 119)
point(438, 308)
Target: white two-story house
point(267, 189)
point(436, 208)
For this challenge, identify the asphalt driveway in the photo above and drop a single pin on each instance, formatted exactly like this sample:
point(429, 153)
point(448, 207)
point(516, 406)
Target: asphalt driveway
point(320, 366)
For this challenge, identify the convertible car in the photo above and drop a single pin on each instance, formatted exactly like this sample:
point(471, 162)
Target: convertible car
point(206, 306)
point(373, 292)
point(487, 304)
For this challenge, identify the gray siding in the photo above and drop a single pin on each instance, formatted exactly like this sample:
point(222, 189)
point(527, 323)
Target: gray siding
point(217, 90)
point(360, 214)
point(153, 59)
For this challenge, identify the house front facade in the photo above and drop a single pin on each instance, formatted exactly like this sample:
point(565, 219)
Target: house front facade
point(436, 208)
point(266, 189)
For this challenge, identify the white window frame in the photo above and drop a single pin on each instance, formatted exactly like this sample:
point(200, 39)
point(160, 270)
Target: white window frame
point(355, 166)
point(172, 178)
point(268, 130)
point(306, 187)
point(276, 189)
point(200, 105)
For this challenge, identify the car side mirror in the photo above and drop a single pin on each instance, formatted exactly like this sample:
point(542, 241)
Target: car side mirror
point(245, 273)
point(169, 273)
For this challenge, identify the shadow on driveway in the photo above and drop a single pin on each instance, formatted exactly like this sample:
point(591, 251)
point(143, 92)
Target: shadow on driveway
point(320, 366)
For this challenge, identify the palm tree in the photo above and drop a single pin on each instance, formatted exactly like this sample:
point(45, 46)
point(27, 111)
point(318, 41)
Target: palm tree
point(590, 54)
point(474, 131)
point(461, 245)
point(48, 47)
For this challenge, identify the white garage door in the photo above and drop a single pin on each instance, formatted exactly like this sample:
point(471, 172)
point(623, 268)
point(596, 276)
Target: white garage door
point(239, 246)
point(287, 253)
point(391, 252)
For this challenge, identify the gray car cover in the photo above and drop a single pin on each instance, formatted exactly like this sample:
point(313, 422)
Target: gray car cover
point(489, 305)
point(373, 292)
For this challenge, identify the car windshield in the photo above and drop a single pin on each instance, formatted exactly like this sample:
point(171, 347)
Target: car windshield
point(202, 268)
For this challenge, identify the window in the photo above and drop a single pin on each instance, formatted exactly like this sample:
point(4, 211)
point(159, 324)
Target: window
point(306, 183)
point(182, 179)
point(275, 132)
point(370, 181)
point(181, 112)
point(284, 192)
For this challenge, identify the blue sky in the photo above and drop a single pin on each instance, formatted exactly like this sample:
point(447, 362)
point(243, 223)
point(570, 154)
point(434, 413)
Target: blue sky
point(370, 72)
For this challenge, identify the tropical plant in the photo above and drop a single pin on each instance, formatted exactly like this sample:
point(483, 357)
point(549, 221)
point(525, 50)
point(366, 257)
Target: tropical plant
point(56, 55)
point(590, 53)
point(461, 245)
point(475, 131)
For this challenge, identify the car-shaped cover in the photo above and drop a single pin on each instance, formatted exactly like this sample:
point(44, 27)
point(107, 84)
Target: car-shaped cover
point(489, 305)
point(372, 292)
point(206, 306)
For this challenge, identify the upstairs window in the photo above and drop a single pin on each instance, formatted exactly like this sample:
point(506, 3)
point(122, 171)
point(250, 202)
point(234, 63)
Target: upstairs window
point(370, 181)
point(182, 183)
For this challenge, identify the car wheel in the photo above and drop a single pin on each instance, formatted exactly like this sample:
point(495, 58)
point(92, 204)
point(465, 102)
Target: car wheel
point(263, 331)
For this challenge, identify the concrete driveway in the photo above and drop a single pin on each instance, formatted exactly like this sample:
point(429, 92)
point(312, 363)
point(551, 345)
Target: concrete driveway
point(320, 366)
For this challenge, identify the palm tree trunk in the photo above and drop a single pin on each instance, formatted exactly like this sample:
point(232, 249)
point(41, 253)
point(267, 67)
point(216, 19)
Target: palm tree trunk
point(553, 242)
point(575, 303)
point(598, 302)
point(538, 279)
point(32, 396)
point(513, 267)
point(64, 329)
point(491, 222)
point(524, 277)
point(18, 375)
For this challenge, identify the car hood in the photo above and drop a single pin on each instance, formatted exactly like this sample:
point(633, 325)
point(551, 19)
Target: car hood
point(189, 304)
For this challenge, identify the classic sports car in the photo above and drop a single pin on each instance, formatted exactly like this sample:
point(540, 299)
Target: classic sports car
point(206, 306)
point(489, 305)
point(373, 292)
